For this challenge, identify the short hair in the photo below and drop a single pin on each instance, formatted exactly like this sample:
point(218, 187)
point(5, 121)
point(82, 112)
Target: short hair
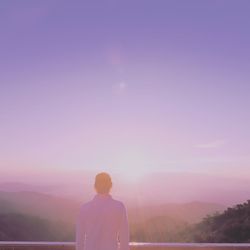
point(103, 183)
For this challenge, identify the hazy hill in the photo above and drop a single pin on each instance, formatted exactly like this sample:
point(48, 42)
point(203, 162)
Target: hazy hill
point(190, 212)
point(157, 229)
point(19, 186)
point(147, 189)
point(20, 227)
point(37, 204)
point(166, 187)
point(154, 223)
point(57, 208)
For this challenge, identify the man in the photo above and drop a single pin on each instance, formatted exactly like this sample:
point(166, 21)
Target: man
point(102, 222)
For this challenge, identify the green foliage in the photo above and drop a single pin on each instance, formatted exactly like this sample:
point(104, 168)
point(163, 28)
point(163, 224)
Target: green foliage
point(232, 226)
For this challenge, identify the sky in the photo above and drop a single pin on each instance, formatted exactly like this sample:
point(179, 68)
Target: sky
point(128, 87)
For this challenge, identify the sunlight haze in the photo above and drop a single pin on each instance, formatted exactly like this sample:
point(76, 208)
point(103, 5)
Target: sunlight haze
point(159, 100)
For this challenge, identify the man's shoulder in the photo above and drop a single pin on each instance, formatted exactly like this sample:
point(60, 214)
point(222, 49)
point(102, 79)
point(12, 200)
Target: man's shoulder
point(118, 203)
point(85, 205)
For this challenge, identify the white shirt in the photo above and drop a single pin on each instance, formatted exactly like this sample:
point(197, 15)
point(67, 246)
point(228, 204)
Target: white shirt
point(101, 223)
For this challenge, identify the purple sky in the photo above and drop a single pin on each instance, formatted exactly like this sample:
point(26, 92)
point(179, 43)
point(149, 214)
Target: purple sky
point(130, 87)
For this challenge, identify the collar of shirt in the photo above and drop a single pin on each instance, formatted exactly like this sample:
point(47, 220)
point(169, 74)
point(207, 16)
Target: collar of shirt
point(102, 196)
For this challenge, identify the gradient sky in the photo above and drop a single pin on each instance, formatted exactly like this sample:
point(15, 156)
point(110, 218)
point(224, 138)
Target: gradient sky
point(130, 87)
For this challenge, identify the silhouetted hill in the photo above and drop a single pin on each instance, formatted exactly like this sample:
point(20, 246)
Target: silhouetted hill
point(232, 226)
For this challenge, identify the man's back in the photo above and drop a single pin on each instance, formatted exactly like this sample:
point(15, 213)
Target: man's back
point(100, 222)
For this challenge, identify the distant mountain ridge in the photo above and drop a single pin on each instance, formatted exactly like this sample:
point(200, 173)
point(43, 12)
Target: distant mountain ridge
point(19, 186)
point(154, 222)
point(190, 212)
point(36, 216)
point(58, 208)
point(154, 188)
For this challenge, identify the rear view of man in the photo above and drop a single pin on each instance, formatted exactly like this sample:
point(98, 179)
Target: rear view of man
point(102, 223)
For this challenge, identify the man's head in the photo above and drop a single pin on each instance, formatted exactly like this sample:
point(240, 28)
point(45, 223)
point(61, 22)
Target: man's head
point(103, 183)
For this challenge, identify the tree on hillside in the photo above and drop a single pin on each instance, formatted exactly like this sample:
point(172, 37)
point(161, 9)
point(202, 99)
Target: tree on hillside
point(232, 226)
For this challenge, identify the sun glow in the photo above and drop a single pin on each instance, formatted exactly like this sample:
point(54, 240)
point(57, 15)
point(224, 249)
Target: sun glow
point(131, 164)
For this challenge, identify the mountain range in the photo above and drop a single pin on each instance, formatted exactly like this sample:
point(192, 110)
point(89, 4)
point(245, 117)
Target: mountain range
point(63, 209)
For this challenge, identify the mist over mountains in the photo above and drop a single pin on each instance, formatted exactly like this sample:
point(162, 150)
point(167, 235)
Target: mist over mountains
point(38, 204)
point(62, 209)
point(57, 215)
point(51, 217)
point(150, 189)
